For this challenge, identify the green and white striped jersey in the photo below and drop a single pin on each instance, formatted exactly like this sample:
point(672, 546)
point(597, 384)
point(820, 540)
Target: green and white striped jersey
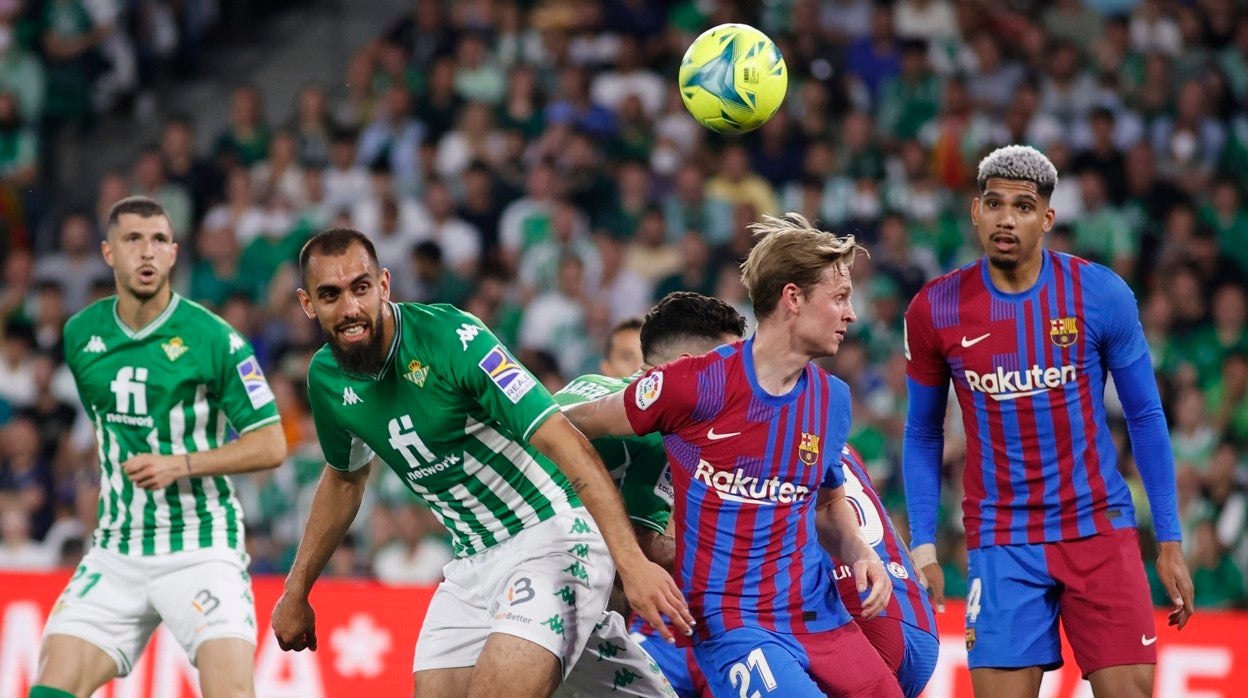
point(451, 413)
point(638, 464)
point(178, 385)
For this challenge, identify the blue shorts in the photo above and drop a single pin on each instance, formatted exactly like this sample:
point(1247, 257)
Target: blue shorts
point(676, 663)
point(919, 662)
point(1095, 585)
point(753, 661)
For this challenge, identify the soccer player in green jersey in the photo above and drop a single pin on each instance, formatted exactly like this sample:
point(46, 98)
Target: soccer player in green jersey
point(165, 382)
point(622, 355)
point(431, 392)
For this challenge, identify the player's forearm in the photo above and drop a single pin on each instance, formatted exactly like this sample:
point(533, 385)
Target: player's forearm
point(922, 452)
point(259, 449)
point(838, 529)
point(573, 454)
point(334, 507)
point(660, 548)
point(1150, 442)
point(601, 417)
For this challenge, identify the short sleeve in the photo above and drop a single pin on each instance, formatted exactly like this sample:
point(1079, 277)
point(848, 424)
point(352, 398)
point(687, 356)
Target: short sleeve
point(1116, 318)
point(925, 363)
point(506, 390)
point(646, 486)
point(840, 416)
point(664, 398)
point(342, 450)
point(242, 389)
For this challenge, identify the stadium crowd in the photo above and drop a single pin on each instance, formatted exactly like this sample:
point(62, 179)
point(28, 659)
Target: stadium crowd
point(532, 162)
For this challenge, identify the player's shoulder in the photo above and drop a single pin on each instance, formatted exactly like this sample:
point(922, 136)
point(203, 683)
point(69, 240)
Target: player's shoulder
point(90, 319)
point(439, 325)
point(590, 387)
point(852, 459)
point(322, 365)
point(1096, 283)
point(191, 315)
point(946, 283)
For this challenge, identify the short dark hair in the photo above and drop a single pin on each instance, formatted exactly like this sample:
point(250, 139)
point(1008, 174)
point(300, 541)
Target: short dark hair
point(141, 206)
point(683, 316)
point(334, 242)
point(632, 323)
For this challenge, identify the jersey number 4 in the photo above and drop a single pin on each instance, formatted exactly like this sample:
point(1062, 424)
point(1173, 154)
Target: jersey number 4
point(739, 674)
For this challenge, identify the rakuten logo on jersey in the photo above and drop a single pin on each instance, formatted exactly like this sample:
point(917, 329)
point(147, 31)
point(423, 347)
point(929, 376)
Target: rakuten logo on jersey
point(736, 486)
point(1011, 385)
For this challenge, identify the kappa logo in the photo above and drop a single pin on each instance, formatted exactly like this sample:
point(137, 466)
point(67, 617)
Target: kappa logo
point(466, 333)
point(236, 342)
point(175, 348)
point(95, 345)
point(349, 397)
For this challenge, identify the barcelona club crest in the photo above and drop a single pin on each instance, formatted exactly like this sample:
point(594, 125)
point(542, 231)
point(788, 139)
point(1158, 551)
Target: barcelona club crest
point(1063, 331)
point(808, 450)
point(416, 373)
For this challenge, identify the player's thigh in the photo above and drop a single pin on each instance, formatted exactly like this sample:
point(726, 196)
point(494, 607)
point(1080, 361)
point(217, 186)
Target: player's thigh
point(1125, 681)
point(1023, 682)
point(830, 652)
point(1106, 607)
point(919, 662)
point(514, 666)
point(227, 668)
point(752, 661)
point(441, 683)
point(887, 636)
point(205, 595)
point(72, 664)
point(615, 663)
point(106, 604)
point(1011, 609)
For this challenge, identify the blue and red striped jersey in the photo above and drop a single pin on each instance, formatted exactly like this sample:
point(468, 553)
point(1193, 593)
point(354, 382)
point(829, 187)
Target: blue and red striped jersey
point(746, 467)
point(1029, 372)
point(909, 602)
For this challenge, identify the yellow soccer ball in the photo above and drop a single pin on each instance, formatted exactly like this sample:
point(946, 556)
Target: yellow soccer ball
point(733, 78)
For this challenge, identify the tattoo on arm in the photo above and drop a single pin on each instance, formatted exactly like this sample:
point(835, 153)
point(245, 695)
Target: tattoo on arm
point(579, 484)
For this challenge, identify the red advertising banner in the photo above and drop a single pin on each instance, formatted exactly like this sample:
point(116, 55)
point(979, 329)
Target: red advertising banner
point(367, 632)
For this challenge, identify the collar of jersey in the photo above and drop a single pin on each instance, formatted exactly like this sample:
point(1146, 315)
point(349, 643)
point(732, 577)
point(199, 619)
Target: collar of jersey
point(150, 327)
point(1046, 275)
point(747, 359)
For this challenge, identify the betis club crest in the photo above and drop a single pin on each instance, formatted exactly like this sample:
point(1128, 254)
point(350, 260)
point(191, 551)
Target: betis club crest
point(1063, 331)
point(417, 373)
point(808, 450)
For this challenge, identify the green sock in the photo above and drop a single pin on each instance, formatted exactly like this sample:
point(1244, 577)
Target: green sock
point(48, 692)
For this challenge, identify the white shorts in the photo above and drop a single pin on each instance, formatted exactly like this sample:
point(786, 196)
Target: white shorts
point(548, 584)
point(614, 663)
point(116, 601)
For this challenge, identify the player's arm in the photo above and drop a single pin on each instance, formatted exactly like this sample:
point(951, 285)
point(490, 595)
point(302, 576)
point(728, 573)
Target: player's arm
point(659, 547)
point(334, 506)
point(260, 449)
point(650, 589)
point(1126, 352)
point(605, 416)
point(927, 387)
point(837, 525)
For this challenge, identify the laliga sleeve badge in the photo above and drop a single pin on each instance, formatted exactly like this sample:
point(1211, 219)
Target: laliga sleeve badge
point(649, 389)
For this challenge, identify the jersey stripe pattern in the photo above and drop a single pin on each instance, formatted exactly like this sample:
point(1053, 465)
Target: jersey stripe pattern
point(746, 468)
point(450, 413)
point(1029, 372)
point(909, 601)
point(184, 383)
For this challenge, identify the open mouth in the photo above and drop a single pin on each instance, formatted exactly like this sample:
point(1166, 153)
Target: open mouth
point(147, 275)
point(1004, 243)
point(354, 332)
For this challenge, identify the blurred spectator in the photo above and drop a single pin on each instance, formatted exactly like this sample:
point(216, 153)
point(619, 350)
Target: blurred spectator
point(478, 76)
point(18, 551)
point(621, 357)
point(393, 139)
point(312, 126)
point(25, 476)
point(21, 74)
point(19, 147)
point(555, 321)
point(418, 551)
point(280, 173)
point(245, 141)
point(473, 139)
point(622, 291)
point(184, 167)
point(1217, 581)
point(17, 379)
point(149, 179)
point(430, 279)
point(77, 264)
point(736, 183)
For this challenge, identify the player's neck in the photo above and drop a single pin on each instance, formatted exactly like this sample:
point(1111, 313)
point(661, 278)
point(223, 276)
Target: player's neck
point(778, 363)
point(387, 326)
point(137, 313)
point(1019, 279)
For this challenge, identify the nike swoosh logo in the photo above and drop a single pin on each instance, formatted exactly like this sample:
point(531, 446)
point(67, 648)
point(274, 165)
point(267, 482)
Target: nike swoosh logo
point(710, 434)
point(1146, 641)
point(972, 342)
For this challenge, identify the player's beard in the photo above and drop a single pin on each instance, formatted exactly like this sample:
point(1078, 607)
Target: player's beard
point(365, 358)
point(1003, 263)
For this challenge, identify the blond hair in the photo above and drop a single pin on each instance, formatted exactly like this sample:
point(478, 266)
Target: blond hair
point(791, 251)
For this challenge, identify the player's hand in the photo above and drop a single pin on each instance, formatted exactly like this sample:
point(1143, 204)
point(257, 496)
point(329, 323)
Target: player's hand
point(294, 623)
point(871, 574)
point(652, 594)
point(1172, 570)
point(935, 585)
point(152, 471)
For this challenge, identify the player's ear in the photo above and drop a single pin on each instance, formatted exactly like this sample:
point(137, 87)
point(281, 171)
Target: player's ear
point(384, 284)
point(106, 251)
point(975, 203)
point(305, 302)
point(1049, 217)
